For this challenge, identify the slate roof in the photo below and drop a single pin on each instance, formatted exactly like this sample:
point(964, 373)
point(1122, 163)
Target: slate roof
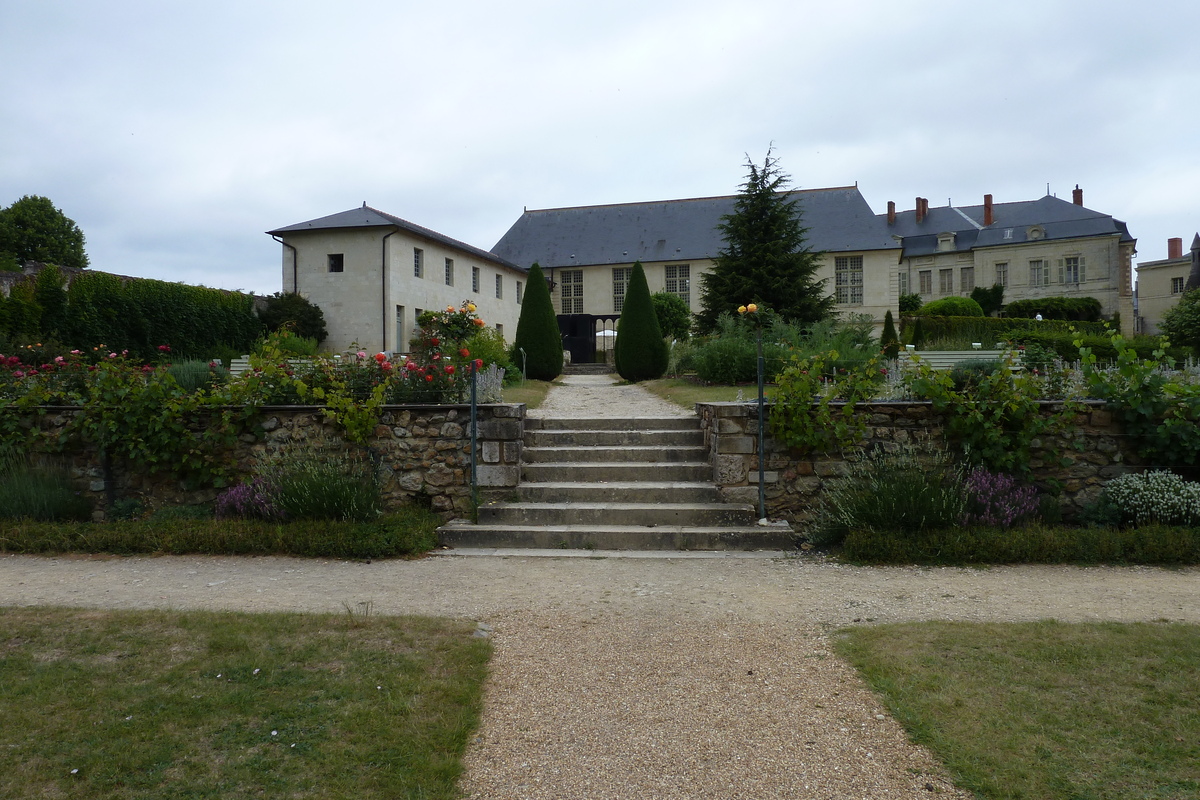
point(838, 219)
point(367, 217)
point(1059, 219)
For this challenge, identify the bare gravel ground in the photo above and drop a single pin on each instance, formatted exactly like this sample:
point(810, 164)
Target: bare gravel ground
point(647, 677)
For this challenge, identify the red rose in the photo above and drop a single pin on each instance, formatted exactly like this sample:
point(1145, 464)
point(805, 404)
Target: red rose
point(429, 379)
point(465, 353)
point(449, 369)
point(435, 341)
point(479, 363)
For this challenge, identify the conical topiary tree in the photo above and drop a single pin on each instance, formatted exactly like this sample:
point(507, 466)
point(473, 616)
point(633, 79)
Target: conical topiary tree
point(640, 353)
point(889, 341)
point(537, 331)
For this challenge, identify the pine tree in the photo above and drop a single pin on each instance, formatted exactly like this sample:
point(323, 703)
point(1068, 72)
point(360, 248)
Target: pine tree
point(766, 258)
point(641, 352)
point(537, 331)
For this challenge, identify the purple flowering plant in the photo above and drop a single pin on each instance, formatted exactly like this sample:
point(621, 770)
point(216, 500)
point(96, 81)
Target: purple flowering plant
point(253, 500)
point(998, 500)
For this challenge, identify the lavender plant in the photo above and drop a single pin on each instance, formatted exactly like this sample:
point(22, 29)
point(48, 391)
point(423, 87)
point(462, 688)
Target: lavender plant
point(252, 500)
point(998, 500)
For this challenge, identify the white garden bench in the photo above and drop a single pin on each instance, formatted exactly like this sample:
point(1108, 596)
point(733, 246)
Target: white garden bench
point(949, 359)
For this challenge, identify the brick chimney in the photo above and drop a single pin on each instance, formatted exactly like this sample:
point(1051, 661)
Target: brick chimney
point(920, 211)
point(1174, 248)
point(988, 216)
point(891, 212)
point(1077, 196)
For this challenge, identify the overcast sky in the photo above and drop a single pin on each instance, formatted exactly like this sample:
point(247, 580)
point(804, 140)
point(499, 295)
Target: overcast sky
point(175, 133)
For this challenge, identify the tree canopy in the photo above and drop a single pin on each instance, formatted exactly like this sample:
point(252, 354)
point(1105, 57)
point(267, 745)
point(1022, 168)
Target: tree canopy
point(291, 309)
point(33, 229)
point(766, 257)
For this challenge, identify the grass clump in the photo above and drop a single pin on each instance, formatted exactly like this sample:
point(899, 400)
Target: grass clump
point(108, 704)
point(37, 491)
point(1044, 710)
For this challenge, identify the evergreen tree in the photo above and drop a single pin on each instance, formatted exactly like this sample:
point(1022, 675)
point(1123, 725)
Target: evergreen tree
point(32, 229)
point(641, 352)
point(766, 258)
point(889, 341)
point(304, 316)
point(537, 331)
point(674, 317)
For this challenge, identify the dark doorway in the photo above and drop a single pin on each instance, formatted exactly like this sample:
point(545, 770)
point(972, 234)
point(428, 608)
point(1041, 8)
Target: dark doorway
point(583, 334)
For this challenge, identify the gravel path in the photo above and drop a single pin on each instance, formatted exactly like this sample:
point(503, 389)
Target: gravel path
point(649, 677)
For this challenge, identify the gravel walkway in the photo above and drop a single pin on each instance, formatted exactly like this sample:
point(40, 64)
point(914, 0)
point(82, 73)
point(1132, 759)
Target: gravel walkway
point(647, 677)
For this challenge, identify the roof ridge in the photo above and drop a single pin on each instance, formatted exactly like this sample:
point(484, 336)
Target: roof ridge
point(682, 200)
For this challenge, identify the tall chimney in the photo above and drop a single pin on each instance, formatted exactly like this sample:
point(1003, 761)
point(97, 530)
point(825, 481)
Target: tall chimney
point(892, 213)
point(1174, 248)
point(920, 211)
point(988, 217)
point(1077, 196)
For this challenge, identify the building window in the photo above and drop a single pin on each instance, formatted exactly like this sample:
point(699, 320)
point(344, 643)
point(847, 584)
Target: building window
point(902, 283)
point(679, 282)
point(1002, 273)
point(620, 284)
point(500, 329)
point(1177, 285)
point(418, 263)
point(475, 280)
point(1038, 274)
point(519, 287)
point(966, 280)
point(946, 281)
point(1072, 270)
point(499, 287)
point(848, 279)
point(570, 291)
point(449, 271)
point(400, 344)
point(337, 262)
point(925, 277)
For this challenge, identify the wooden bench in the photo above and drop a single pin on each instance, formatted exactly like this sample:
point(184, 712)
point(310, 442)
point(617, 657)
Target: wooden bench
point(239, 365)
point(949, 359)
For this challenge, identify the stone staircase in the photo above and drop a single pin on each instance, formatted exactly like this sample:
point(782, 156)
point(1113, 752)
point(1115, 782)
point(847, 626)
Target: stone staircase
point(616, 484)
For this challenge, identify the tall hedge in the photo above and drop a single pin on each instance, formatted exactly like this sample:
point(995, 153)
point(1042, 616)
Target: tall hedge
point(537, 331)
point(641, 352)
point(1082, 309)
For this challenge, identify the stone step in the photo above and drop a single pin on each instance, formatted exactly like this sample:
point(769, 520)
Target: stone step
point(612, 423)
point(617, 513)
point(618, 537)
point(629, 453)
point(618, 491)
point(613, 438)
point(617, 471)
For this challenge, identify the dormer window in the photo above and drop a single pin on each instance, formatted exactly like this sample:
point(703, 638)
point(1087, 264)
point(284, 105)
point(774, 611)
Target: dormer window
point(945, 242)
point(1035, 233)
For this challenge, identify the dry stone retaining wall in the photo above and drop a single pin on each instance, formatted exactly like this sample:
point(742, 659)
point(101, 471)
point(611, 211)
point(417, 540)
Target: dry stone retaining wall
point(422, 452)
point(1078, 463)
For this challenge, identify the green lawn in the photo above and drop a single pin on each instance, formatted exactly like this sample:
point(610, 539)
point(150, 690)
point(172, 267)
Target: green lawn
point(686, 393)
point(117, 704)
point(1045, 710)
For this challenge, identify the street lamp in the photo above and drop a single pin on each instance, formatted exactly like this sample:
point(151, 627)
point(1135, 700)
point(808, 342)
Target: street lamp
point(750, 312)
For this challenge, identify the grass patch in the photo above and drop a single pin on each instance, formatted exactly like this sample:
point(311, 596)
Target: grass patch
point(105, 704)
point(406, 532)
point(1045, 710)
point(529, 392)
point(686, 393)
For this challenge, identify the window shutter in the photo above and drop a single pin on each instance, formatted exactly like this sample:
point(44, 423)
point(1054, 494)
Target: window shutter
point(1062, 278)
point(1082, 270)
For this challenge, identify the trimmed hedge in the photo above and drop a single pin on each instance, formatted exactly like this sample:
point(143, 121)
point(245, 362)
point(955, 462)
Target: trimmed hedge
point(405, 533)
point(537, 332)
point(990, 330)
point(1077, 309)
point(1034, 544)
point(951, 307)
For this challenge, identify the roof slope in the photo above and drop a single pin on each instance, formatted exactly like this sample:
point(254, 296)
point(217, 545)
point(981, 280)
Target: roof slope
point(367, 217)
point(838, 219)
point(1058, 219)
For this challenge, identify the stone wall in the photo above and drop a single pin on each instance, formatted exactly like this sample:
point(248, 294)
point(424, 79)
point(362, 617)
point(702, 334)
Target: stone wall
point(1078, 463)
point(423, 454)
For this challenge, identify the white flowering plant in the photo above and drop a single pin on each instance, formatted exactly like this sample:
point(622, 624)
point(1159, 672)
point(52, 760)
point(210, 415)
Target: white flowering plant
point(1155, 497)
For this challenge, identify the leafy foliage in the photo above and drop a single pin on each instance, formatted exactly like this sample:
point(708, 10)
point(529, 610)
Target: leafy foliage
point(537, 331)
point(34, 229)
point(640, 351)
point(766, 259)
point(295, 312)
point(815, 407)
point(674, 316)
point(1157, 497)
point(1182, 322)
point(951, 307)
point(909, 303)
point(990, 300)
